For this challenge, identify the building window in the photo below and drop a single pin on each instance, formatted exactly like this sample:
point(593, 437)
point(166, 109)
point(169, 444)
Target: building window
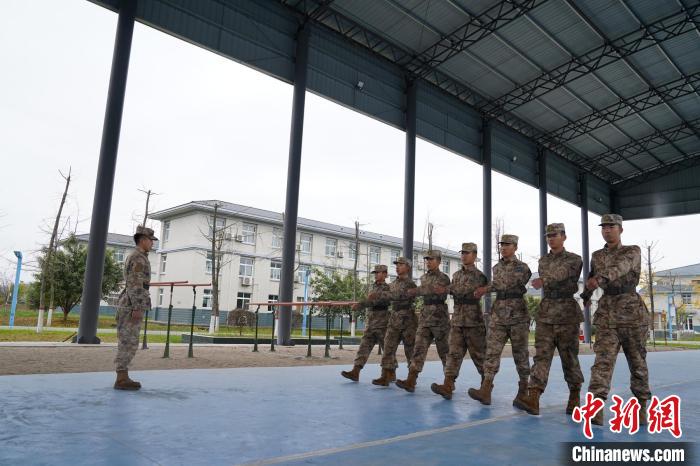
point(277, 237)
point(119, 254)
point(417, 264)
point(166, 230)
point(275, 271)
point(248, 236)
point(395, 253)
point(160, 296)
point(446, 266)
point(206, 299)
point(687, 299)
point(305, 242)
point(331, 247)
point(220, 224)
point(329, 272)
point(242, 300)
point(375, 254)
point(352, 250)
point(245, 269)
point(273, 298)
point(301, 273)
point(163, 262)
point(208, 265)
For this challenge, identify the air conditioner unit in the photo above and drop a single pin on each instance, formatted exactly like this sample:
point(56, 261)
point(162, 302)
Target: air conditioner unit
point(340, 254)
point(246, 281)
point(227, 236)
point(239, 238)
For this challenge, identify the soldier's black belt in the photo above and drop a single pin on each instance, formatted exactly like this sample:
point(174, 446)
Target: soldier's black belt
point(617, 290)
point(509, 295)
point(433, 301)
point(380, 308)
point(555, 294)
point(459, 301)
point(146, 286)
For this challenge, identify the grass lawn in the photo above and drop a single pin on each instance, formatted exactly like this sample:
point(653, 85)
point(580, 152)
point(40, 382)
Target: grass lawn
point(60, 336)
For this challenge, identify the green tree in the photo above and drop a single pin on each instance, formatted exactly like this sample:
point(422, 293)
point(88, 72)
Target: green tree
point(533, 305)
point(69, 263)
point(336, 287)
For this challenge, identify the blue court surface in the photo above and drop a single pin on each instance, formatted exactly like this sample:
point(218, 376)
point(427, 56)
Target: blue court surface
point(306, 415)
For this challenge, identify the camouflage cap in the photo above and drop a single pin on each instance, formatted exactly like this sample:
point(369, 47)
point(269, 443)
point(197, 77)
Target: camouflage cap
point(433, 254)
point(469, 247)
point(509, 239)
point(143, 231)
point(379, 269)
point(611, 219)
point(555, 228)
point(402, 260)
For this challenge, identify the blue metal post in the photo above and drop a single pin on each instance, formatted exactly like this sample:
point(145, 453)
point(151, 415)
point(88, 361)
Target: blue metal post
point(306, 300)
point(15, 290)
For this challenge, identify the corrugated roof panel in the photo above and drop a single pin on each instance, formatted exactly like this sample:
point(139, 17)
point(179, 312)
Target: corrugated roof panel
point(612, 136)
point(651, 10)
point(504, 59)
point(565, 103)
point(559, 20)
point(592, 91)
point(612, 18)
point(661, 117)
point(442, 15)
point(478, 76)
point(654, 65)
point(476, 6)
point(687, 106)
point(634, 126)
point(586, 146)
point(683, 50)
point(666, 153)
point(540, 115)
point(622, 168)
point(689, 145)
point(622, 79)
point(530, 40)
point(644, 160)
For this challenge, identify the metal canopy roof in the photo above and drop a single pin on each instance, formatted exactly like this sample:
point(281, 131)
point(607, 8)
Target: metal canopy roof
point(607, 88)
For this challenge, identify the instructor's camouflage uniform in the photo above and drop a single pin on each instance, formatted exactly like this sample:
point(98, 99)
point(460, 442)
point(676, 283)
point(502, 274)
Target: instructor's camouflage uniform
point(467, 331)
point(558, 318)
point(134, 297)
point(621, 319)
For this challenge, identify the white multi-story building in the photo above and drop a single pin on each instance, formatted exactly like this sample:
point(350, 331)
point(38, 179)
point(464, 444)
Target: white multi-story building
point(253, 253)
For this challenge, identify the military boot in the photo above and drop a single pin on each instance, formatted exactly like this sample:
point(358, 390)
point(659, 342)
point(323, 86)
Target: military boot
point(353, 375)
point(446, 389)
point(483, 394)
point(522, 394)
point(642, 412)
point(123, 382)
point(385, 378)
point(410, 383)
point(531, 403)
point(574, 400)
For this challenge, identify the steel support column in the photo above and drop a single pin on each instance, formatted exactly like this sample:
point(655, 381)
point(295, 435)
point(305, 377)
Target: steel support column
point(585, 251)
point(102, 203)
point(486, 146)
point(291, 209)
point(409, 171)
point(542, 185)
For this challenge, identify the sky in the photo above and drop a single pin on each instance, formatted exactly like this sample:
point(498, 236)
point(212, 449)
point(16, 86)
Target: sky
point(200, 126)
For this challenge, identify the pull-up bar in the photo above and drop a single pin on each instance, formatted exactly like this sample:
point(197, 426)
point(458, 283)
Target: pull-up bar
point(170, 308)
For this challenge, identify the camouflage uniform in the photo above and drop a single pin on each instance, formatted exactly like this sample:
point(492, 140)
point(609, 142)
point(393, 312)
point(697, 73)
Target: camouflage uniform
point(434, 320)
point(376, 324)
point(467, 331)
point(509, 316)
point(402, 321)
point(621, 320)
point(558, 319)
point(134, 297)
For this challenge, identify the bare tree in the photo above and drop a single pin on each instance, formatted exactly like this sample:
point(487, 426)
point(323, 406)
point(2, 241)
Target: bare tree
point(148, 194)
point(430, 236)
point(50, 251)
point(648, 280)
point(498, 230)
